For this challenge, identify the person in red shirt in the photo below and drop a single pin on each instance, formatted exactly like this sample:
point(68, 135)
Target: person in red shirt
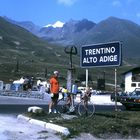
point(54, 90)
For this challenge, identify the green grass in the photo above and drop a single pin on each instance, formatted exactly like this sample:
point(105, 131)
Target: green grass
point(102, 125)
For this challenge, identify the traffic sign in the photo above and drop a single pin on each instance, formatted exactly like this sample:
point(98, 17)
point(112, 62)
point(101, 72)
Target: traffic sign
point(101, 55)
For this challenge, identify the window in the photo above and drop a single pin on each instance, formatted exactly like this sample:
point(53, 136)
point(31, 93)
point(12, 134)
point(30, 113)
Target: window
point(136, 78)
point(133, 85)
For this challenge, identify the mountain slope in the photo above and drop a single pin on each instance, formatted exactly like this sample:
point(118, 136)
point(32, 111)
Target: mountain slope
point(86, 32)
point(30, 52)
point(28, 25)
point(23, 53)
point(114, 29)
point(68, 32)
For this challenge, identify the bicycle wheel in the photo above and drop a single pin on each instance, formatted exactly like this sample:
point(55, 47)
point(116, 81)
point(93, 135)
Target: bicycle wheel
point(86, 109)
point(61, 106)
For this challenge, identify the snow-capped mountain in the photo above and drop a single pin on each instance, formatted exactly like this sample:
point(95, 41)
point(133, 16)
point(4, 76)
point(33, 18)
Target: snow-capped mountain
point(57, 24)
point(67, 32)
point(81, 32)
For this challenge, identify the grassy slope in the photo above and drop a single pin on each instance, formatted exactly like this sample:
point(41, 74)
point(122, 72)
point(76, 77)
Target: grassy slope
point(32, 53)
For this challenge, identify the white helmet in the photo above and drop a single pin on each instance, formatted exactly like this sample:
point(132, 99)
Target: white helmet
point(56, 72)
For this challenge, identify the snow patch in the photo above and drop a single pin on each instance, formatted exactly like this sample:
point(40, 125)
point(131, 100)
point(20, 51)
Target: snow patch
point(58, 24)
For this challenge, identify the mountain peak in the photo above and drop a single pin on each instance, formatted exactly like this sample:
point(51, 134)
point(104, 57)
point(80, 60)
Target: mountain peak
point(56, 24)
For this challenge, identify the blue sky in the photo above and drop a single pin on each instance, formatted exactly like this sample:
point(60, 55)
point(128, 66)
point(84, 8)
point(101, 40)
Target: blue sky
point(43, 12)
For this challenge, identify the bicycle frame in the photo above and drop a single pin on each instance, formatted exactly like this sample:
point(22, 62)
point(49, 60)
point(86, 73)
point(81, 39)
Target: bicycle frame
point(81, 107)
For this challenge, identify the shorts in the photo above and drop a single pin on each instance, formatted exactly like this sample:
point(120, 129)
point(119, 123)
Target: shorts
point(55, 96)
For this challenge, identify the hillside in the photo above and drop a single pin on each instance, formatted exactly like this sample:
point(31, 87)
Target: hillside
point(87, 32)
point(84, 32)
point(113, 29)
point(28, 25)
point(22, 53)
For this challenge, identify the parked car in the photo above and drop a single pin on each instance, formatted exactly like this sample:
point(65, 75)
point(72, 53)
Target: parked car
point(132, 100)
point(119, 95)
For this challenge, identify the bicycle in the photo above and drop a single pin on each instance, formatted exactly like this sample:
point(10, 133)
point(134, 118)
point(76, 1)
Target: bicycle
point(85, 108)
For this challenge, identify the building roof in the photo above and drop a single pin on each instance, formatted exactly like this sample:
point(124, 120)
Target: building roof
point(132, 70)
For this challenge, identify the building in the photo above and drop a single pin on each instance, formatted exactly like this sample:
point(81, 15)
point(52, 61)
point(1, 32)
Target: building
point(132, 79)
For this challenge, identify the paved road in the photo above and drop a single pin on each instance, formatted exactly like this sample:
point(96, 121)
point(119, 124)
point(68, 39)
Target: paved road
point(13, 105)
point(17, 109)
point(13, 129)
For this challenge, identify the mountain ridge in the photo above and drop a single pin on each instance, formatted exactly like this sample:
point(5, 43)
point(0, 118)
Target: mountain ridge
point(82, 32)
point(108, 30)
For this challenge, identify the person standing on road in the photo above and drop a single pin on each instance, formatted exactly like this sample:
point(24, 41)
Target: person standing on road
point(54, 90)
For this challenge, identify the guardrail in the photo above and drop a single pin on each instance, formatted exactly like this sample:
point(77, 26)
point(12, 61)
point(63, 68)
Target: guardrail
point(26, 94)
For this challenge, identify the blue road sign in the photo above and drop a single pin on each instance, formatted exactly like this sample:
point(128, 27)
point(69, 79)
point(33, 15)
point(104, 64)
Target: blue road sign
point(101, 55)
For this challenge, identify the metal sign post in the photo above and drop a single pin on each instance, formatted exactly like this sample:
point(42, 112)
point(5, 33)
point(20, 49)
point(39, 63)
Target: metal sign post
point(102, 55)
point(86, 78)
point(115, 89)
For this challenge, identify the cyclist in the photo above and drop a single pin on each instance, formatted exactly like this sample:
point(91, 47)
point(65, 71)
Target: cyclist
point(54, 90)
point(87, 94)
point(86, 98)
point(86, 108)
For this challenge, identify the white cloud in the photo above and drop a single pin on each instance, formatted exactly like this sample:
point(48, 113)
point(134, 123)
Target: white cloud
point(67, 2)
point(116, 3)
